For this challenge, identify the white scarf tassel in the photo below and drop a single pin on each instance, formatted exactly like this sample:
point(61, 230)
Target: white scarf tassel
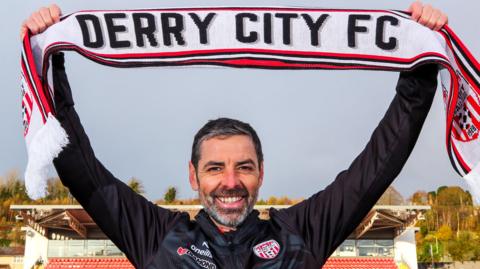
point(473, 182)
point(46, 145)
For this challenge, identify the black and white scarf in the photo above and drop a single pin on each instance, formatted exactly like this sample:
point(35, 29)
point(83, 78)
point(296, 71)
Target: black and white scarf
point(260, 37)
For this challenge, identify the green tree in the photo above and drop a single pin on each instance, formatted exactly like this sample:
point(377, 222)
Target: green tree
point(430, 249)
point(462, 248)
point(432, 197)
point(136, 185)
point(170, 195)
point(12, 187)
point(476, 251)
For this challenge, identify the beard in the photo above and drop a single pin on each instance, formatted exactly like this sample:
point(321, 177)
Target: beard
point(229, 217)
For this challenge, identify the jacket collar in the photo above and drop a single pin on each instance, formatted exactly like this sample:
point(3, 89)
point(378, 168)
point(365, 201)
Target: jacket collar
point(243, 232)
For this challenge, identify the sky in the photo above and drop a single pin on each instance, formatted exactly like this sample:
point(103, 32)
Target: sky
point(312, 123)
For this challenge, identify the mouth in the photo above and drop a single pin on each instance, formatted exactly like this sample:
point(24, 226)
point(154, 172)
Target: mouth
point(230, 202)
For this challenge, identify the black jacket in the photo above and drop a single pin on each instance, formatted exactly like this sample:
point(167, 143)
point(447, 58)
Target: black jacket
point(302, 236)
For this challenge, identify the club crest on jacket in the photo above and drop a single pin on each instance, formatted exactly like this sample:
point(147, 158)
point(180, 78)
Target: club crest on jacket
point(267, 250)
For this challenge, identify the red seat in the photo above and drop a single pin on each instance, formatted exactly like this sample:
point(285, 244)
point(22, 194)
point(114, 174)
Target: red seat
point(88, 263)
point(360, 263)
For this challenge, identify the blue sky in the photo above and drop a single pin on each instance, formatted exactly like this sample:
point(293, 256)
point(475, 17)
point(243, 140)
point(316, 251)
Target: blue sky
point(308, 136)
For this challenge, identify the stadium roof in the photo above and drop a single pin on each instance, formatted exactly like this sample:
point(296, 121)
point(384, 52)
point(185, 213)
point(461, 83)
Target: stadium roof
point(12, 251)
point(60, 222)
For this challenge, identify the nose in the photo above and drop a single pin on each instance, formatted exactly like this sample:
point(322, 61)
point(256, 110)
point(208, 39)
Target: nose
point(230, 179)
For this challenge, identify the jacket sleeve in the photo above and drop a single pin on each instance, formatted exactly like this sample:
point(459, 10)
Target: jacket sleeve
point(327, 218)
point(134, 224)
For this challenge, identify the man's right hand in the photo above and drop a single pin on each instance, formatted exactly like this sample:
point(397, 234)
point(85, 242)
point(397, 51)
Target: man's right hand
point(40, 20)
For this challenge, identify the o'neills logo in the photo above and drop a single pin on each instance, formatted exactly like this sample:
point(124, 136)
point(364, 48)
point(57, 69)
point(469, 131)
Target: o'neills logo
point(201, 262)
point(267, 250)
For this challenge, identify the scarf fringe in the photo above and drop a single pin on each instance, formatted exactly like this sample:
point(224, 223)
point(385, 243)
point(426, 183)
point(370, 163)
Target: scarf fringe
point(473, 182)
point(45, 146)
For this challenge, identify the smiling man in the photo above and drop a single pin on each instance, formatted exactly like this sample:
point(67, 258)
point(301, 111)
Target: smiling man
point(226, 169)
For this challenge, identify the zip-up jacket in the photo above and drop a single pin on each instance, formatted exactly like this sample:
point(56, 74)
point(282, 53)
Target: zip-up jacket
point(301, 236)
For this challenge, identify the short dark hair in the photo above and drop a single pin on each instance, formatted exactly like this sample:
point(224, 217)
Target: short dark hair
point(224, 127)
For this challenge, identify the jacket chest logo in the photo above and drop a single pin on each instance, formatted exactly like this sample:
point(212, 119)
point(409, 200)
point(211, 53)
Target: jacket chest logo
point(267, 250)
point(203, 263)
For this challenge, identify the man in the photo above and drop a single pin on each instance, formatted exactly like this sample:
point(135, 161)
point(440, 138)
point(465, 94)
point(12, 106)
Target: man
point(226, 169)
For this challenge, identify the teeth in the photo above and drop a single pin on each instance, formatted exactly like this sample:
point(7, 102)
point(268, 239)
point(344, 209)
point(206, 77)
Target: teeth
point(229, 200)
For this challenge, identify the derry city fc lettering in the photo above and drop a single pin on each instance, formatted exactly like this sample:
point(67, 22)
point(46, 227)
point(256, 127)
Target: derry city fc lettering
point(156, 29)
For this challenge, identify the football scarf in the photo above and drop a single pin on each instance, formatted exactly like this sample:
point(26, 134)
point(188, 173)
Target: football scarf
point(270, 38)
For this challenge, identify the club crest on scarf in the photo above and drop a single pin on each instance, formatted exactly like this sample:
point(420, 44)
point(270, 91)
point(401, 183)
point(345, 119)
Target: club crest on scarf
point(466, 118)
point(27, 104)
point(267, 250)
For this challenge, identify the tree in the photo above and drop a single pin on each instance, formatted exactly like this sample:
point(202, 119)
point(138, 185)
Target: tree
point(462, 248)
point(16, 236)
point(453, 196)
point(13, 187)
point(441, 188)
point(454, 205)
point(430, 249)
point(284, 200)
point(136, 185)
point(445, 233)
point(272, 200)
point(432, 197)
point(57, 191)
point(419, 198)
point(170, 195)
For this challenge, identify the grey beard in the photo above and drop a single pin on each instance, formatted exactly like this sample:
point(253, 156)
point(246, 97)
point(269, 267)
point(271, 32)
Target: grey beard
point(224, 217)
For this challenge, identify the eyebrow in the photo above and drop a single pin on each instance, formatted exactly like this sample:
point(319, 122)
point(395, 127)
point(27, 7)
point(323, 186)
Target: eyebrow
point(214, 163)
point(249, 161)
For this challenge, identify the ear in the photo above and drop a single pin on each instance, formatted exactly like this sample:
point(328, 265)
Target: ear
point(192, 176)
point(260, 177)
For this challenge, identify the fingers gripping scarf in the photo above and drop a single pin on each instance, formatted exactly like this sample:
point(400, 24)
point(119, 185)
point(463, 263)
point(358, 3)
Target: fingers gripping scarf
point(270, 38)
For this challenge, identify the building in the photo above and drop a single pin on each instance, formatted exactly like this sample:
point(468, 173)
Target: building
point(64, 236)
point(11, 258)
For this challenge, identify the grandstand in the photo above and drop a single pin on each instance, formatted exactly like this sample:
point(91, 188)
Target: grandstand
point(11, 257)
point(64, 236)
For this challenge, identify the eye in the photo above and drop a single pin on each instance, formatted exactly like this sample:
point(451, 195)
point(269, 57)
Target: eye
point(214, 169)
point(246, 168)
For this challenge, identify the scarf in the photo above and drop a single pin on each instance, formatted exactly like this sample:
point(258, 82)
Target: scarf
point(260, 37)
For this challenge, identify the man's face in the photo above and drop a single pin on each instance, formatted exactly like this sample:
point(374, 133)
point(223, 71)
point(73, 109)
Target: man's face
point(228, 178)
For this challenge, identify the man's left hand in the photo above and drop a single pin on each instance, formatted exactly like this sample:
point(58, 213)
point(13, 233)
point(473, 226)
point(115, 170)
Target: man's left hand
point(428, 16)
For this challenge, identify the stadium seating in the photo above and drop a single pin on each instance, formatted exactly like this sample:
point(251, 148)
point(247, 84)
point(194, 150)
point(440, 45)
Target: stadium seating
point(88, 263)
point(360, 263)
point(123, 263)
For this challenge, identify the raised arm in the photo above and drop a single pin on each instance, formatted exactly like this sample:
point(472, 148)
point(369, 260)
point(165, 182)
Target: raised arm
point(134, 224)
point(327, 218)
